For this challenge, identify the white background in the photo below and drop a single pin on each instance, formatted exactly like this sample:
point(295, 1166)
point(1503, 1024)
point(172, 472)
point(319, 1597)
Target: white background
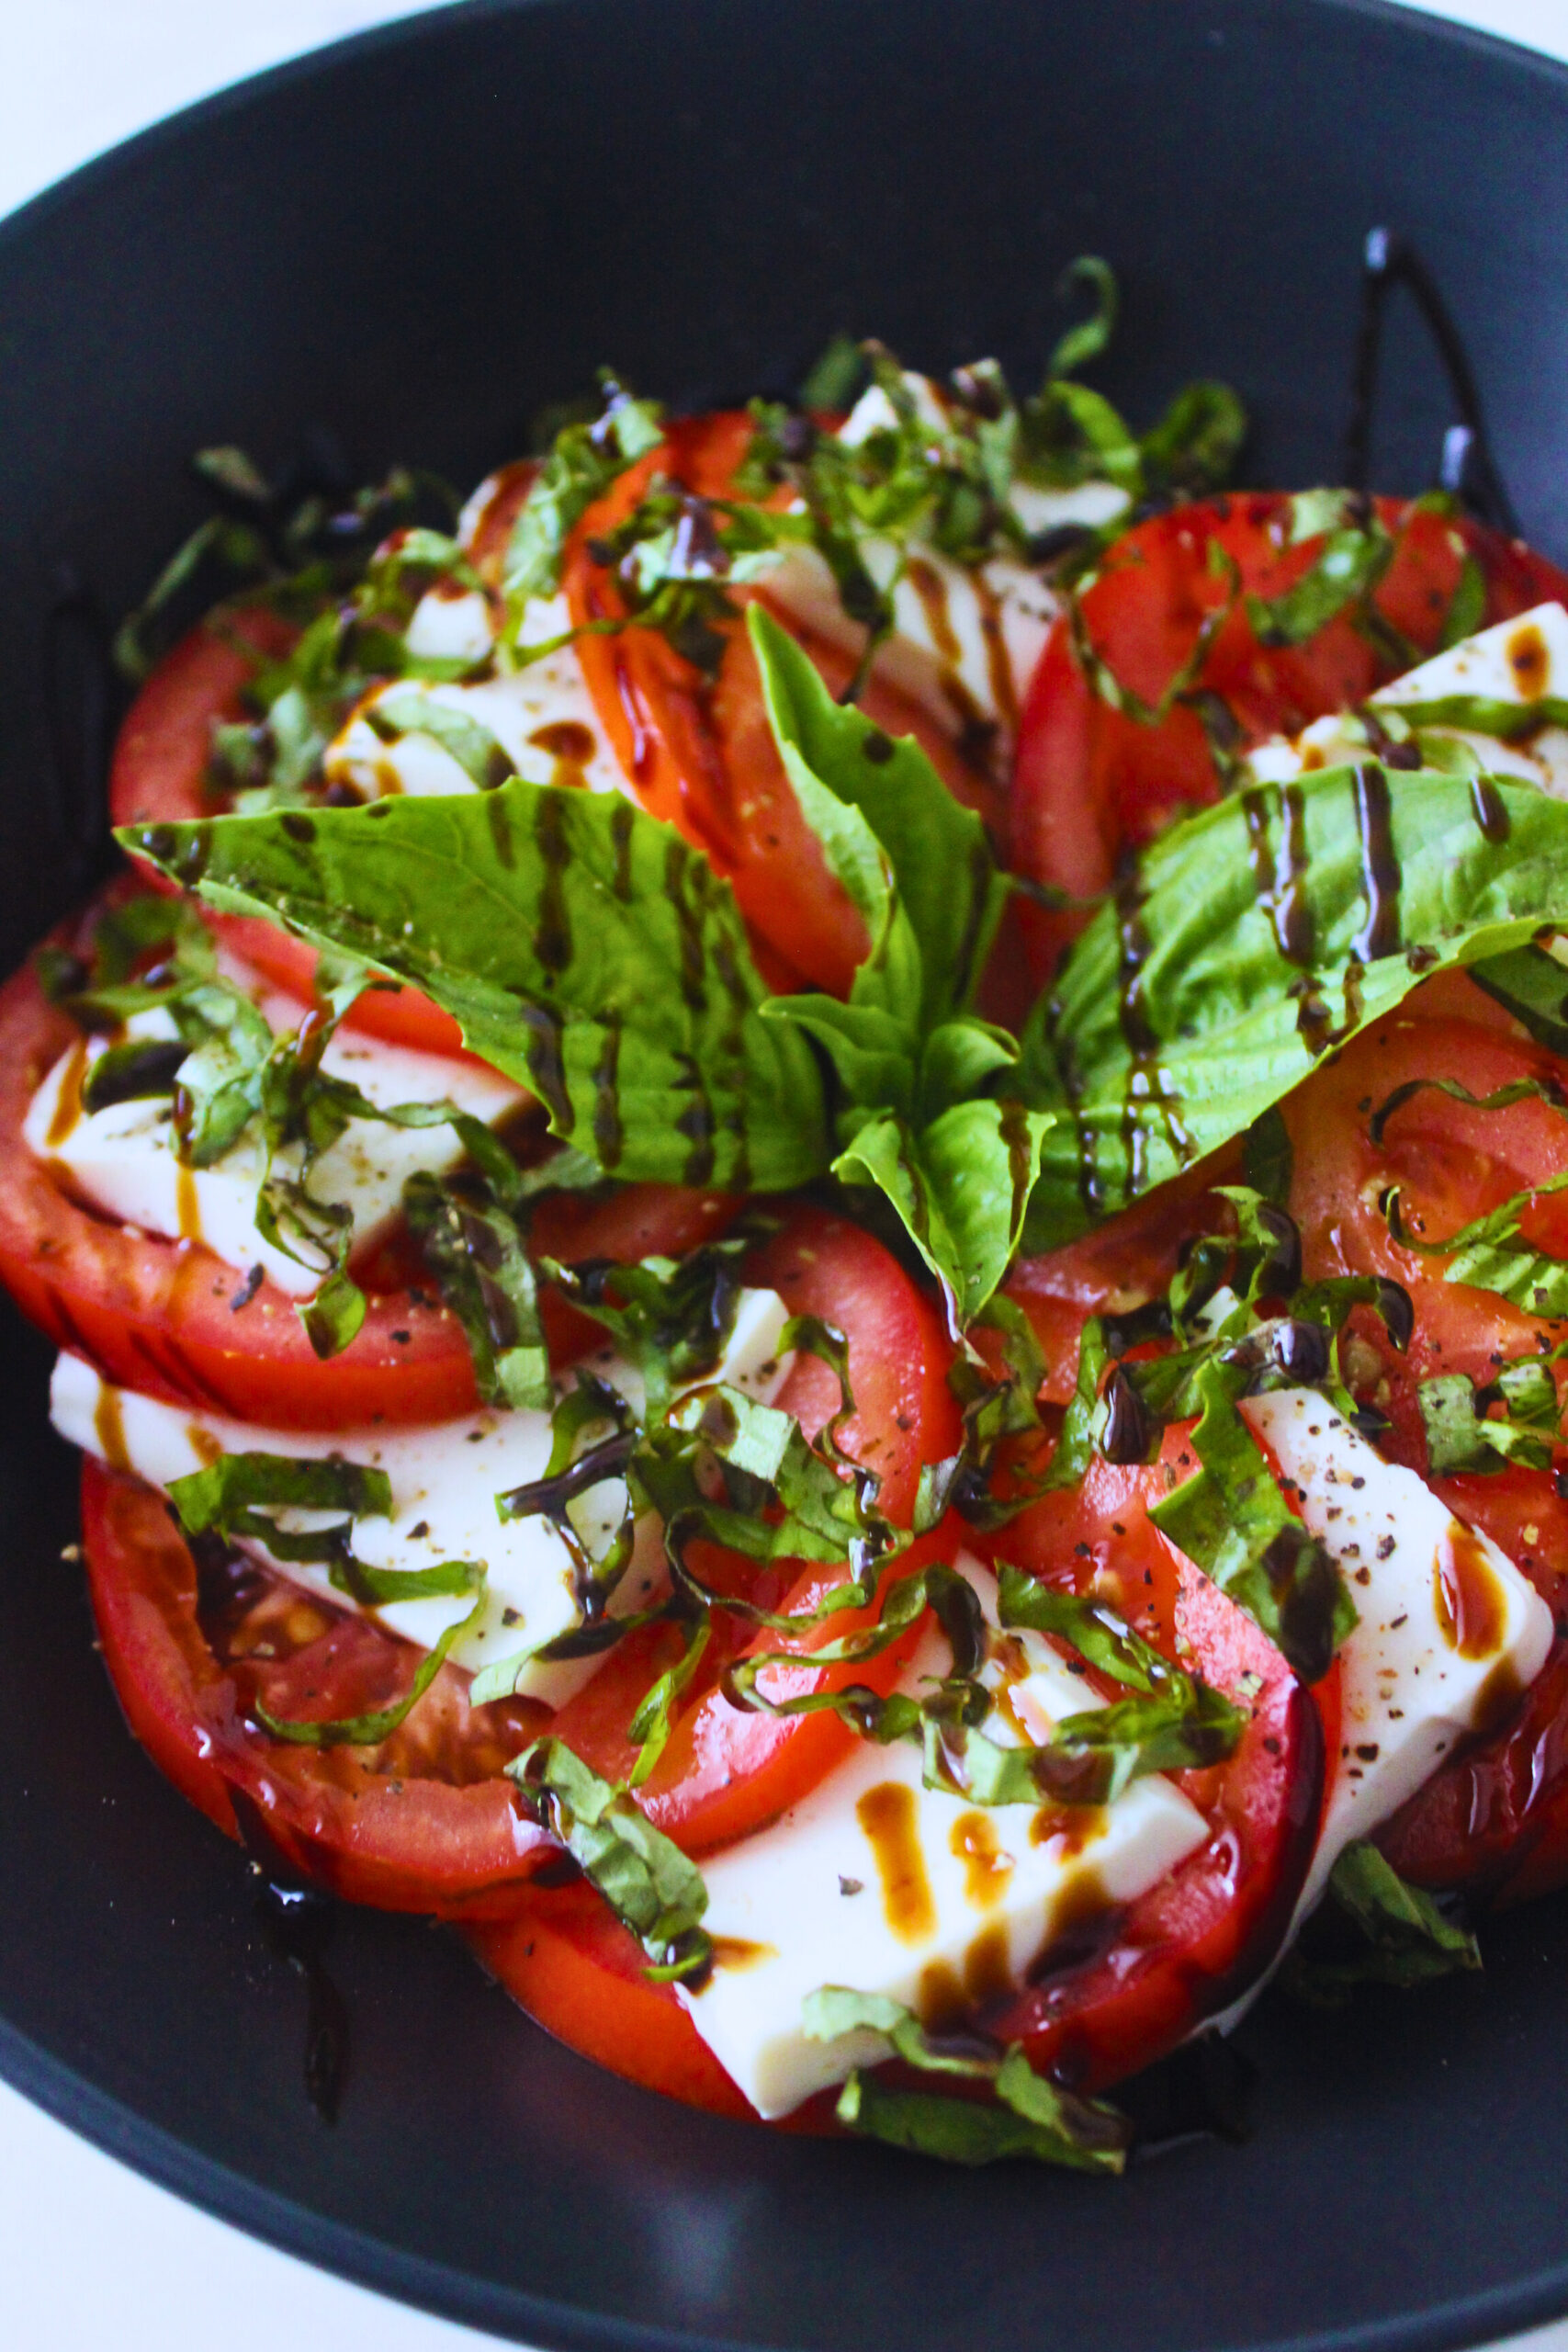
point(90, 2254)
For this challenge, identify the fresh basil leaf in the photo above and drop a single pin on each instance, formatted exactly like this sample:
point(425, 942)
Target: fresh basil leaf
point(334, 1315)
point(1533, 987)
point(1194, 446)
point(834, 380)
point(960, 1188)
point(1051, 2127)
point(1092, 335)
point(473, 1248)
point(1091, 1757)
point(674, 1318)
point(370, 1730)
point(651, 1725)
point(1356, 552)
point(1267, 928)
point(1268, 1160)
point(1462, 1434)
point(583, 947)
point(406, 710)
point(1373, 1928)
point(937, 857)
point(1491, 1254)
point(1096, 1634)
point(643, 1876)
point(581, 467)
point(1232, 1520)
point(219, 1498)
point(1085, 1414)
point(1059, 2127)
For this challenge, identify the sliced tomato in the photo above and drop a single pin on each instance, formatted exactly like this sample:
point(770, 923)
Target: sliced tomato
point(1450, 1163)
point(158, 1315)
point(701, 754)
point(1118, 1987)
point(567, 1961)
point(726, 1771)
point(426, 1822)
point(159, 775)
point(1092, 781)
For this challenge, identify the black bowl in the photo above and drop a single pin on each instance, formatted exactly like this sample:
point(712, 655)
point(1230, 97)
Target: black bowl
point(417, 239)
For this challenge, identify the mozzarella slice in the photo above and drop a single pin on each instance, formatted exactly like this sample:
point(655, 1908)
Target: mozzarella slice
point(543, 717)
point(445, 1480)
point(1515, 661)
point(876, 1883)
point(122, 1158)
point(450, 625)
point(1449, 1630)
point(965, 642)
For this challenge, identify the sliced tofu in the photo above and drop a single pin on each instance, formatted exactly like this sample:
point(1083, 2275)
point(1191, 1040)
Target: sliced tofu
point(445, 1480)
point(122, 1158)
point(543, 717)
point(1515, 661)
point(876, 1883)
point(1450, 1631)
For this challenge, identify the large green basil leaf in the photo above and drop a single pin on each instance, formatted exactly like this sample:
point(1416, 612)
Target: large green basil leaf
point(584, 948)
point(912, 834)
point(960, 1185)
point(1249, 939)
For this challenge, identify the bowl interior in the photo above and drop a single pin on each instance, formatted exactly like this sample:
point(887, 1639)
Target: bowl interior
point(417, 240)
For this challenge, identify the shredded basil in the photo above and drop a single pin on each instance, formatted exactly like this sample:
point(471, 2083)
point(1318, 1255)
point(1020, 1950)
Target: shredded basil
point(1485, 1425)
point(643, 1876)
point(1373, 1928)
point(1024, 2114)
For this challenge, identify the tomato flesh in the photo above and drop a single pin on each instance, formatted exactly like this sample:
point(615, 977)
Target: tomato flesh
point(426, 1822)
point(157, 1315)
point(1092, 781)
point(159, 775)
point(700, 753)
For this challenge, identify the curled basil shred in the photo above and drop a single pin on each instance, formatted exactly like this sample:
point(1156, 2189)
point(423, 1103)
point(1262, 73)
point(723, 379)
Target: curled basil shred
point(1018, 2112)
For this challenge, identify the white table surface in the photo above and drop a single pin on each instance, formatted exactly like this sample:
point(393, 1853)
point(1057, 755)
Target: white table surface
point(159, 2277)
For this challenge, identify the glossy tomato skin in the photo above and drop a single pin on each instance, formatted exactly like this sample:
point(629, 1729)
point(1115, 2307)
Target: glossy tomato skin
point(1493, 1822)
point(567, 1961)
point(700, 753)
point(1118, 1988)
point(425, 1823)
point(157, 1315)
point(1092, 781)
point(159, 775)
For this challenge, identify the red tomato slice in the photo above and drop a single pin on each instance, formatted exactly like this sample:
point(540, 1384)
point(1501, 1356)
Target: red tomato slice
point(159, 776)
point(157, 1315)
point(422, 1823)
point(1119, 1988)
point(702, 756)
point(1091, 781)
point(725, 1772)
point(567, 1961)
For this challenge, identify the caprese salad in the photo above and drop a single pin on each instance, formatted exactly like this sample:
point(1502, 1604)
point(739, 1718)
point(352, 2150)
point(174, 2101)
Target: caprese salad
point(806, 1218)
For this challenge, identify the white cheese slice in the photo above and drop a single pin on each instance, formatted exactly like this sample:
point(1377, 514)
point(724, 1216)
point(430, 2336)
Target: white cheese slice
point(964, 644)
point(445, 1480)
point(876, 1883)
point(122, 1158)
point(450, 625)
point(543, 716)
point(1515, 661)
point(1449, 1630)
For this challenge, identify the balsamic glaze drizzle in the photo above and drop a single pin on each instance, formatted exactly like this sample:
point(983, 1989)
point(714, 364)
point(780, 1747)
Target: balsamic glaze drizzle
point(1468, 468)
